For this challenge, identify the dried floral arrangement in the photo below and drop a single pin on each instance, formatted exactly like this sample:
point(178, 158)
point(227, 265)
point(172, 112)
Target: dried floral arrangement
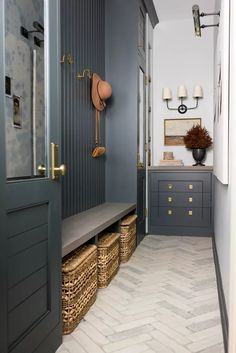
point(197, 137)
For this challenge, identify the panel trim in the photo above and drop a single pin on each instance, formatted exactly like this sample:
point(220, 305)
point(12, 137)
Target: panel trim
point(151, 12)
point(221, 295)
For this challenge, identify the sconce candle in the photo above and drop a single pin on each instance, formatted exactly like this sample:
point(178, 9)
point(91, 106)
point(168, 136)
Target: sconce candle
point(166, 94)
point(197, 92)
point(182, 92)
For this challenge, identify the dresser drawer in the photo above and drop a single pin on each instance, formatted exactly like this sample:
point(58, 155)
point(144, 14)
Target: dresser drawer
point(180, 186)
point(186, 178)
point(186, 217)
point(180, 199)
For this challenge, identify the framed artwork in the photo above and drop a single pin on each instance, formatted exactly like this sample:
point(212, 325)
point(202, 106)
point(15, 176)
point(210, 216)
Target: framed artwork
point(17, 112)
point(221, 115)
point(175, 130)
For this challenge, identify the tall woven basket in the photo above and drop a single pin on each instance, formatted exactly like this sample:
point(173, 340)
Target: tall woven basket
point(128, 237)
point(79, 285)
point(108, 258)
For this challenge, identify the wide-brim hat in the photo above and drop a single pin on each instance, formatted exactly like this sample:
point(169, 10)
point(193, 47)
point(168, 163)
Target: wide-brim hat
point(101, 91)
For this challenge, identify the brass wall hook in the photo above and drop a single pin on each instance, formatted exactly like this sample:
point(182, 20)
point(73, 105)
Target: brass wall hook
point(67, 58)
point(86, 73)
point(62, 61)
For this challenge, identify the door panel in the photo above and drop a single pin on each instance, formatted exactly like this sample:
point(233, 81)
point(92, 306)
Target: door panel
point(30, 204)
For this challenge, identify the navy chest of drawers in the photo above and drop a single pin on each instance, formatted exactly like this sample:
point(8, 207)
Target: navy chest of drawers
point(180, 201)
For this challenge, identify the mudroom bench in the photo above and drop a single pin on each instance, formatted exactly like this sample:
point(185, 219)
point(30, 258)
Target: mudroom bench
point(81, 228)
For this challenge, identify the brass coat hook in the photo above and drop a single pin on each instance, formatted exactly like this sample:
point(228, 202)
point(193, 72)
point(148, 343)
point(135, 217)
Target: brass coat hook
point(86, 73)
point(67, 58)
point(62, 61)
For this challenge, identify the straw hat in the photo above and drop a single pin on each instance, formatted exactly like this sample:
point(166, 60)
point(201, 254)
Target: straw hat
point(101, 91)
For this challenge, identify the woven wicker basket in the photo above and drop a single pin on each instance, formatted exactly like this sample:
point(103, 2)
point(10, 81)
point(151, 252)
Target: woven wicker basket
point(127, 237)
point(79, 285)
point(108, 258)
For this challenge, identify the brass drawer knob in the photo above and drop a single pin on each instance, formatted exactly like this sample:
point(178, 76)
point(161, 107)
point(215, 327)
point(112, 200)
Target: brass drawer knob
point(170, 212)
point(190, 199)
point(170, 186)
point(169, 199)
point(190, 213)
point(190, 187)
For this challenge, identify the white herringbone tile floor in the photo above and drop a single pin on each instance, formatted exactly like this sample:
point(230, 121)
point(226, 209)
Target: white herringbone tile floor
point(164, 300)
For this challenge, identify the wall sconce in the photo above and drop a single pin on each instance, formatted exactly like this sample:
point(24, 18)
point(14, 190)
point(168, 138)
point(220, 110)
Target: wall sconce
point(182, 94)
point(196, 20)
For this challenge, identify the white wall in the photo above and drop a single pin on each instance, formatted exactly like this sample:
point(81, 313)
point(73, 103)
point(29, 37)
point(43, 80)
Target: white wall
point(181, 58)
point(222, 202)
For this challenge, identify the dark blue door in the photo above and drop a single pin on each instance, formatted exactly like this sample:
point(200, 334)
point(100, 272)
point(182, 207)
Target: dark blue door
point(30, 203)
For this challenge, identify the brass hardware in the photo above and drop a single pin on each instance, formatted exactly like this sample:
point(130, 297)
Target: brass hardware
point(86, 73)
point(190, 187)
point(62, 61)
point(56, 171)
point(67, 58)
point(190, 213)
point(140, 165)
point(170, 186)
point(146, 80)
point(170, 212)
point(190, 199)
point(146, 147)
point(169, 199)
point(42, 170)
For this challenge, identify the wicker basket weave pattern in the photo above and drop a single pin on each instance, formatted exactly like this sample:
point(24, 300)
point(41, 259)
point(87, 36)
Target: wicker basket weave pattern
point(108, 258)
point(128, 237)
point(79, 285)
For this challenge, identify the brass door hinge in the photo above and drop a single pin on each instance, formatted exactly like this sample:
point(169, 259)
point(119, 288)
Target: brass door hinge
point(146, 147)
point(146, 80)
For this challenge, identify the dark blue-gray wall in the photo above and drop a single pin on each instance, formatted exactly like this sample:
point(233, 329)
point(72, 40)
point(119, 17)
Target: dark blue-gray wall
point(83, 36)
point(122, 112)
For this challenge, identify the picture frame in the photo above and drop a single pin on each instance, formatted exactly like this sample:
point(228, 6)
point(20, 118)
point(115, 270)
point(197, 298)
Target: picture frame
point(17, 112)
point(175, 130)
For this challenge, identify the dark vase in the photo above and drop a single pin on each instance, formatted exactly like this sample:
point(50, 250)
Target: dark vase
point(199, 155)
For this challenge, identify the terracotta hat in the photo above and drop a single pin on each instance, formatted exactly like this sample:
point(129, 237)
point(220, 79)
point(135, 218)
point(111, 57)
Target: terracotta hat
point(101, 91)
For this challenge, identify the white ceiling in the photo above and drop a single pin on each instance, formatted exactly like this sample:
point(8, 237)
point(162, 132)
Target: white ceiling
point(169, 10)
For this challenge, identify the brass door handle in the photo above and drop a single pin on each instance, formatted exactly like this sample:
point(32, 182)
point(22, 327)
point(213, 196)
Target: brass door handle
point(42, 170)
point(55, 170)
point(60, 170)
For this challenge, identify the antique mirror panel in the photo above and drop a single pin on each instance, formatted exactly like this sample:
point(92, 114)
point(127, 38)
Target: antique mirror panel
point(25, 110)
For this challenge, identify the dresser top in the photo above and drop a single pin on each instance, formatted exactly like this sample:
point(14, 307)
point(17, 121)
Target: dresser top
point(182, 168)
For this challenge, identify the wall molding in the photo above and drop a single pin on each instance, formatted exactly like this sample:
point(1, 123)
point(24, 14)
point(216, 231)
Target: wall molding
point(222, 302)
point(151, 12)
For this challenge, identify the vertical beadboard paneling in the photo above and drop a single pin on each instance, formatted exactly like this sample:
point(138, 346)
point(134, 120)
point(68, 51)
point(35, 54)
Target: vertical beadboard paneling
point(83, 35)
